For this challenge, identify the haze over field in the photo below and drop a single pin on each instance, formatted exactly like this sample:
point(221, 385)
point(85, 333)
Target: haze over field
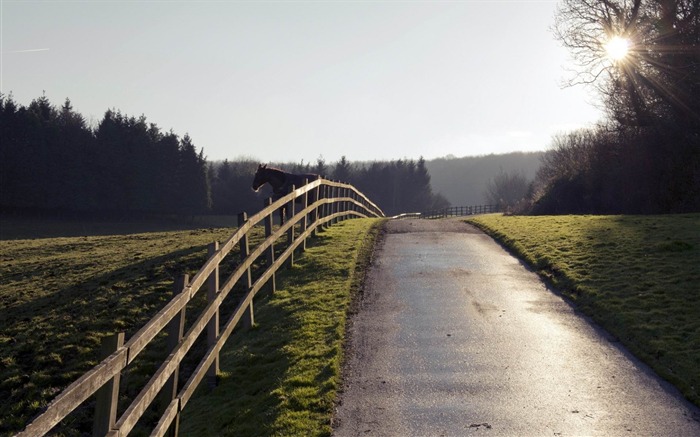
point(287, 82)
point(464, 181)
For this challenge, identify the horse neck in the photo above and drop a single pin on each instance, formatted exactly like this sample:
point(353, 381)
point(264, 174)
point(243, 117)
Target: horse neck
point(276, 178)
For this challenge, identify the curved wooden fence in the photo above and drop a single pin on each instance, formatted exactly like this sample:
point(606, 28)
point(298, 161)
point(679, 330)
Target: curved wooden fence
point(320, 204)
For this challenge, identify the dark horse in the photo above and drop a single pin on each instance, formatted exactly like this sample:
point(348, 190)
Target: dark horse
point(280, 181)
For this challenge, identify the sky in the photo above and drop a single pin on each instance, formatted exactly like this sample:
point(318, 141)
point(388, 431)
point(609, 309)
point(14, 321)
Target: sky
point(295, 81)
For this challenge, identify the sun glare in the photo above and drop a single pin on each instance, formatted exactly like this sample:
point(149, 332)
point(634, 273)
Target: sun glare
point(617, 48)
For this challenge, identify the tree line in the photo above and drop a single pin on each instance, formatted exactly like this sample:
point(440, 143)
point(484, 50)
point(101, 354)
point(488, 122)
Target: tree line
point(395, 186)
point(52, 161)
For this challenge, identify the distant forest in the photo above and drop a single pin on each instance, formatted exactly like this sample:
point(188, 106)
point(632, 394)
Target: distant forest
point(395, 186)
point(465, 181)
point(53, 162)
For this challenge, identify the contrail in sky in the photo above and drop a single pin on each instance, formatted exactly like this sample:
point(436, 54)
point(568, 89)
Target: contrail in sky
point(26, 51)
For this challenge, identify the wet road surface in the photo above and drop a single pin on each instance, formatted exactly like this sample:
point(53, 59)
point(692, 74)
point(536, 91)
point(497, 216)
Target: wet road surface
point(455, 337)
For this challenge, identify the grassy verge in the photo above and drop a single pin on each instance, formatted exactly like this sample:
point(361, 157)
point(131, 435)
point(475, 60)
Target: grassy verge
point(281, 377)
point(636, 276)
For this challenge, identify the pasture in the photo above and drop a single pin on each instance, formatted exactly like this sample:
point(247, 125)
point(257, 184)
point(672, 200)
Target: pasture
point(636, 276)
point(60, 296)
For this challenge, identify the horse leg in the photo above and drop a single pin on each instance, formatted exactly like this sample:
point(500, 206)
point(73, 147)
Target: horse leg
point(283, 212)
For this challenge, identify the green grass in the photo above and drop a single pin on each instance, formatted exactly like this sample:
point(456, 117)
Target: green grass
point(636, 276)
point(281, 377)
point(60, 296)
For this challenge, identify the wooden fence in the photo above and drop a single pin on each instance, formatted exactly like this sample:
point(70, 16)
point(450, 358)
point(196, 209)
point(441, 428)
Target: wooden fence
point(455, 211)
point(321, 203)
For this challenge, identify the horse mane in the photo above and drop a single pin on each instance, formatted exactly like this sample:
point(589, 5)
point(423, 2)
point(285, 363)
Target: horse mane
point(288, 173)
point(275, 169)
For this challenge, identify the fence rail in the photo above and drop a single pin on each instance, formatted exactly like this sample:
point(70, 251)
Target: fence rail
point(323, 203)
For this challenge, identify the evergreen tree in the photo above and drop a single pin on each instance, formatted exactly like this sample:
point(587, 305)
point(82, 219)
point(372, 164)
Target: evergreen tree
point(41, 185)
point(222, 189)
point(167, 169)
point(343, 170)
point(194, 191)
point(11, 152)
point(75, 153)
point(321, 167)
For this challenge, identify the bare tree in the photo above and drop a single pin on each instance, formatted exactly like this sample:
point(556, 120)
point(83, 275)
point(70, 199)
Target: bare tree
point(507, 190)
point(658, 77)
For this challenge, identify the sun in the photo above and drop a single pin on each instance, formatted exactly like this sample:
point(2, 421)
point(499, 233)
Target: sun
point(617, 48)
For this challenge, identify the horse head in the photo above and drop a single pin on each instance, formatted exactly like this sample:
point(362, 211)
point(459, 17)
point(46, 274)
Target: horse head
point(261, 177)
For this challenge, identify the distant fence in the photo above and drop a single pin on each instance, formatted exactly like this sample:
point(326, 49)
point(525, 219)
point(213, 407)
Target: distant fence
point(456, 211)
point(453, 211)
point(321, 203)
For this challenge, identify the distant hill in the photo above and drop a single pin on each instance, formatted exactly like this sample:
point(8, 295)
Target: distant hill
point(463, 181)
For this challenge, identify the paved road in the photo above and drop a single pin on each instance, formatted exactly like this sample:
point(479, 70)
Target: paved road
point(454, 337)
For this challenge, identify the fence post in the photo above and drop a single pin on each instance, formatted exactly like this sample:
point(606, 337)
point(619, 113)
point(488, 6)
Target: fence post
point(249, 317)
point(346, 205)
point(314, 213)
point(270, 253)
point(305, 221)
point(290, 232)
point(108, 394)
point(339, 204)
point(175, 330)
point(213, 325)
point(353, 196)
point(328, 206)
point(322, 208)
point(330, 194)
point(334, 205)
point(340, 193)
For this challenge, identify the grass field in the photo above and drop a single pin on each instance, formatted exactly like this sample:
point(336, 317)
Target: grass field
point(60, 296)
point(636, 276)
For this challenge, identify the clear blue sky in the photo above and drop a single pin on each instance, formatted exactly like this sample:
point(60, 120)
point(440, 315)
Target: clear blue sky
point(291, 81)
